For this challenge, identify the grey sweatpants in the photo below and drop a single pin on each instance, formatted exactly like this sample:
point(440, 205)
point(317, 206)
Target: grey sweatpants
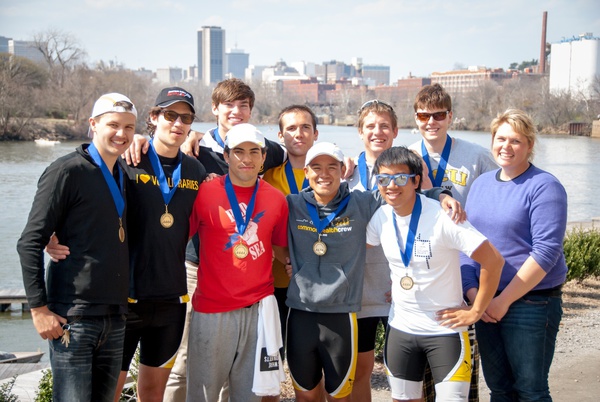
point(222, 346)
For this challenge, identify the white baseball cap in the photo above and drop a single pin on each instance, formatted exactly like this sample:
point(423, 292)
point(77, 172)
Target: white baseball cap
point(113, 103)
point(324, 148)
point(244, 133)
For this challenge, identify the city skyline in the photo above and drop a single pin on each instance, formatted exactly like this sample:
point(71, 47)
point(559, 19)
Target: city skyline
point(411, 37)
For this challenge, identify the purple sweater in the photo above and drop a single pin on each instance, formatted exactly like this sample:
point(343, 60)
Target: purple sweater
point(523, 217)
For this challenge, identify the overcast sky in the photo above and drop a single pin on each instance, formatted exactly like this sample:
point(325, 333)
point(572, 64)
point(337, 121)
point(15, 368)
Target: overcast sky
point(417, 37)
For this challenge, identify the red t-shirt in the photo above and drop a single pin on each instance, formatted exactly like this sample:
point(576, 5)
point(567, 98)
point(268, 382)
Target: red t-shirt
point(225, 282)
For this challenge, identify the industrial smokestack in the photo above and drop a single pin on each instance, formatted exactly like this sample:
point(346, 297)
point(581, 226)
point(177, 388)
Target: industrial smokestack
point(542, 62)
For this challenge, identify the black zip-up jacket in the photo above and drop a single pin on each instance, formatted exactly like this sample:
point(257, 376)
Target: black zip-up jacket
point(74, 201)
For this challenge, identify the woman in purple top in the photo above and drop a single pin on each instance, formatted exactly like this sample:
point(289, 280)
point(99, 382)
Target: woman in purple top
point(522, 210)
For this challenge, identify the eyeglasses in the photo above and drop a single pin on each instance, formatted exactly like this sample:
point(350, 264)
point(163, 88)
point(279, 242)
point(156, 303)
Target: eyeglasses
point(437, 116)
point(374, 102)
point(401, 179)
point(173, 116)
point(122, 106)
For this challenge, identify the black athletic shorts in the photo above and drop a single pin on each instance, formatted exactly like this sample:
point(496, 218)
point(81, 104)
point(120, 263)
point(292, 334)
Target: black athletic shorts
point(158, 327)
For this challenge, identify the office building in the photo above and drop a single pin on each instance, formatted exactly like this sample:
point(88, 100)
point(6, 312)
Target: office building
point(4, 44)
point(377, 73)
point(25, 49)
point(333, 71)
point(169, 75)
point(211, 54)
point(462, 81)
point(236, 62)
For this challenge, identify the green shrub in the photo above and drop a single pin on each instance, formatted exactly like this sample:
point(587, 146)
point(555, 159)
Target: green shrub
point(6, 394)
point(130, 393)
point(582, 253)
point(44, 393)
point(379, 341)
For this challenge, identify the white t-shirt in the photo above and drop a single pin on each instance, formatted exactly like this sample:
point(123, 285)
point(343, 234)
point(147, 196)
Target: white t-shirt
point(434, 265)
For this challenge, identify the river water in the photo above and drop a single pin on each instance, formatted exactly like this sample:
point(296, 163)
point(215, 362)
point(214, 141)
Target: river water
point(573, 160)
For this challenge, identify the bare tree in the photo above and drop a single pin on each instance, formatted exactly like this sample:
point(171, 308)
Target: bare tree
point(61, 52)
point(21, 81)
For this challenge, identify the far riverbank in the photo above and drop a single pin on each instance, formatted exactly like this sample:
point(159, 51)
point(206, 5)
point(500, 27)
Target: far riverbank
point(71, 130)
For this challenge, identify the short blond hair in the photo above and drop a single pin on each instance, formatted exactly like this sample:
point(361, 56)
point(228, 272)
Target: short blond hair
point(520, 122)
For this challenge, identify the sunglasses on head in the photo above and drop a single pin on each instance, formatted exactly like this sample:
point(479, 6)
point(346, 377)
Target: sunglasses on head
point(173, 116)
point(438, 116)
point(122, 106)
point(373, 102)
point(401, 179)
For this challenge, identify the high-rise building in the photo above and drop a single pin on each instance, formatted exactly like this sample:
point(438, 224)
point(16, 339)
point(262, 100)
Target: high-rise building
point(4, 44)
point(25, 49)
point(380, 75)
point(575, 64)
point(169, 75)
point(236, 62)
point(211, 54)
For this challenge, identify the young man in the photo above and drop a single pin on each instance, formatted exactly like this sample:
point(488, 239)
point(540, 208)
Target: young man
point(428, 319)
point(298, 132)
point(232, 103)
point(81, 306)
point(452, 164)
point(326, 226)
point(377, 128)
point(163, 188)
point(241, 221)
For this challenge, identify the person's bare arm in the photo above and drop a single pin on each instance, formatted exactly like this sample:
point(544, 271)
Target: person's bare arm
point(191, 146)
point(282, 254)
point(527, 277)
point(491, 263)
point(453, 208)
point(133, 154)
point(350, 166)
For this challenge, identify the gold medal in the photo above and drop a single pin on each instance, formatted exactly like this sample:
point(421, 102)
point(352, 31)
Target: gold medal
point(166, 219)
point(240, 251)
point(121, 231)
point(406, 282)
point(319, 248)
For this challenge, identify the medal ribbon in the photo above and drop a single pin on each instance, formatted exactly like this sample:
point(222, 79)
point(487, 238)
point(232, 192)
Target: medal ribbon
point(217, 137)
point(115, 191)
point(291, 179)
point(240, 223)
point(412, 230)
point(321, 224)
point(441, 170)
point(363, 171)
point(167, 192)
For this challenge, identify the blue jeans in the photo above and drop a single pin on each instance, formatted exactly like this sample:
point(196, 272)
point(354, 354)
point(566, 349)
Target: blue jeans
point(516, 353)
point(88, 369)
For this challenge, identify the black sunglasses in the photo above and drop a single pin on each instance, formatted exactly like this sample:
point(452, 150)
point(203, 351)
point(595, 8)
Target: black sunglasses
point(437, 116)
point(173, 116)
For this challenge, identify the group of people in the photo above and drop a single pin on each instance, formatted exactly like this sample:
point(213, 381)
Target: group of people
point(295, 252)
